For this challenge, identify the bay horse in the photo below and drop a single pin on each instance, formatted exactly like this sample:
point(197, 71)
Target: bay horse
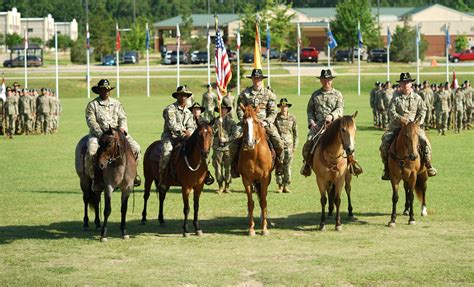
point(330, 164)
point(404, 163)
point(119, 167)
point(190, 163)
point(255, 165)
point(89, 197)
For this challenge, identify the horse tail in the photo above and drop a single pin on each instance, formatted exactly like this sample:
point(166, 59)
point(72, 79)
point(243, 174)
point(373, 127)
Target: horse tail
point(420, 186)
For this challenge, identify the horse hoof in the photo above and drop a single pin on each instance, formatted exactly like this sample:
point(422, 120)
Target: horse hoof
point(265, 232)
point(391, 224)
point(322, 227)
point(424, 212)
point(412, 222)
point(339, 228)
point(126, 237)
point(199, 233)
point(251, 232)
point(103, 239)
point(185, 234)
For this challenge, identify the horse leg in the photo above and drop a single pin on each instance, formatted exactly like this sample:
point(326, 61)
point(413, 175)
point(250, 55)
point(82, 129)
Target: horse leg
point(197, 194)
point(322, 190)
point(96, 197)
point(336, 189)
point(394, 203)
point(348, 189)
point(161, 218)
point(250, 206)
point(123, 221)
point(330, 202)
point(262, 189)
point(85, 199)
point(424, 210)
point(107, 211)
point(411, 195)
point(185, 194)
point(146, 195)
point(407, 199)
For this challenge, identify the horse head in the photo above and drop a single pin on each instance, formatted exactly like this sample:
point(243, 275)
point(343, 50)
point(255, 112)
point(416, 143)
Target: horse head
point(347, 130)
point(204, 138)
point(110, 147)
point(410, 133)
point(251, 126)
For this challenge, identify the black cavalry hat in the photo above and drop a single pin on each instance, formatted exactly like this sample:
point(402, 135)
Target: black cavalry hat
point(102, 85)
point(182, 90)
point(196, 105)
point(284, 102)
point(257, 73)
point(326, 74)
point(405, 77)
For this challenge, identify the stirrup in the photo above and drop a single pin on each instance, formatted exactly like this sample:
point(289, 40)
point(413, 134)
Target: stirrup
point(137, 181)
point(432, 171)
point(209, 179)
point(305, 170)
point(385, 175)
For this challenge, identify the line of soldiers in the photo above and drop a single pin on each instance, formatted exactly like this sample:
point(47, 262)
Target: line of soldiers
point(446, 108)
point(25, 111)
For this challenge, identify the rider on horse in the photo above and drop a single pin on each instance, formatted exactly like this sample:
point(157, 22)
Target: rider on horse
point(406, 105)
point(103, 113)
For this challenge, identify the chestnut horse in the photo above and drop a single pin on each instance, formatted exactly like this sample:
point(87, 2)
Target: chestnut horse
point(255, 165)
point(404, 163)
point(190, 163)
point(330, 164)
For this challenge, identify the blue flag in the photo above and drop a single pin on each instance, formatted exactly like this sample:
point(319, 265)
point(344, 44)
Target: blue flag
point(448, 39)
point(331, 40)
point(147, 39)
point(389, 37)
point(268, 37)
point(359, 37)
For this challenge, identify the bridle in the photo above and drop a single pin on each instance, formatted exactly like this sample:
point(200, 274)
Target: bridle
point(247, 145)
point(186, 160)
point(116, 156)
point(339, 157)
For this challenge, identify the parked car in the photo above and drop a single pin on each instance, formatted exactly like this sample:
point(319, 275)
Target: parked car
point(363, 53)
point(274, 54)
point(467, 55)
point(171, 58)
point(33, 61)
point(232, 55)
point(309, 54)
point(198, 57)
point(108, 60)
point(130, 57)
point(341, 56)
point(377, 55)
point(289, 56)
point(248, 58)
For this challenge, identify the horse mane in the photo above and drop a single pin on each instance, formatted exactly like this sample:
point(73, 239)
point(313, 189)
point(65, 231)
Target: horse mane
point(333, 129)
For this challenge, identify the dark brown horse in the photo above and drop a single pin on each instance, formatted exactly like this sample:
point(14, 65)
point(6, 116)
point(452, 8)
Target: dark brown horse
point(89, 197)
point(330, 164)
point(404, 163)
point(255, 166)
point(189, 161)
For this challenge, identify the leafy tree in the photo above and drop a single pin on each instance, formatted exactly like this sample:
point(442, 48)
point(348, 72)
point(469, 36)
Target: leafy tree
point(461, 43)
point(187, 25)
point(2, 39)
point(79, 51)
point(135, 39)
point(403, 48)
point(199, 43)
point(64, 42)
point(35, 40)
point(344, 26)
point(13, 39)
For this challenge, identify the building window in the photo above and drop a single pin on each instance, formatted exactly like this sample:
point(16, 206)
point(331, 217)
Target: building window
point(30, 30)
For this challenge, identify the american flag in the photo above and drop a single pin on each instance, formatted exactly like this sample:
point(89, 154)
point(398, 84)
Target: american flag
point(223, 69)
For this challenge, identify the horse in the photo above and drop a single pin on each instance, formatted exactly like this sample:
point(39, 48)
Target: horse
point(330, 164)
point(404, 163)
point(89, 197)
point(119, 167)
point(255, 165)
point(190, 163)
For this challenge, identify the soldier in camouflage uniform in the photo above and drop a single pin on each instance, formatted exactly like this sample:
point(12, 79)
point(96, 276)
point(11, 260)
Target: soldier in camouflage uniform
point(179, 124)
point(387, 96)
point(103, 113)
point(468, 107)
point(458, 106)
point(55, 112)
point(43, 112)
point(230, 98)
point(2, 118)
point(288, 130)
point(11, 112)
point(442, 104)
point(198, 113)
point(23, 110)
point(209, 102)
point(258, 96)
point(225, 132)
point(427, 95)
point(406, 106)
point(372, 102)
point(324, 106)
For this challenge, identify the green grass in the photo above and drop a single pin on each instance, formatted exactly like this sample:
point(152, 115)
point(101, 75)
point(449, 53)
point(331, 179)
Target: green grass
point(42, 242)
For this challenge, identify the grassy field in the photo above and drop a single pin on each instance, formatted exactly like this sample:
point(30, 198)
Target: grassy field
point(42, 242)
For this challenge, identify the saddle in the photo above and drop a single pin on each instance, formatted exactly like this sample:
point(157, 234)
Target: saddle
point(239, 146)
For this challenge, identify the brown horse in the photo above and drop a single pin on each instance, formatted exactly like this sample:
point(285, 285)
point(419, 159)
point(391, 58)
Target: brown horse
point(330, 164)
point(255, 165)
point(119, 167)
point(404, 163)
point(190, 163)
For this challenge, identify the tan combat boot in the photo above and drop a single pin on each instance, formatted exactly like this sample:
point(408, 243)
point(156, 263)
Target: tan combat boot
point(286, 188)
point(227, 189)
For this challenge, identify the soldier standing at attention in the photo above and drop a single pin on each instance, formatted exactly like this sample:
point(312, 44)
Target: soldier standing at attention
point(24, 111)
point(288, 130)
point(2, 118)
point(11, 112)
point(325, 105)
point(103, 113)
point(458, 106)
point(468, 93)
point(406, 106)
point(225, 132)
point(209, 102)
point(429, 99)
point(43, 112)
point(230, 99)
point(55, 112)
point(442, 105)
point(373, 102)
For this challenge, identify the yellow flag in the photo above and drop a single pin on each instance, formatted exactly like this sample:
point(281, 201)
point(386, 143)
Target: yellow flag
point(257, 54)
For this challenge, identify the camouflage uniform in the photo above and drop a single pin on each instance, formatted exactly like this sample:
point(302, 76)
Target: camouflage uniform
point(230, 99)
point(221, 156)
point(288, 130)
point(373, 103)
point(43, 113)
point(177, 120)
point(442, 104)
point(24, 108)
point(55, 112)
point(2, 118)
point(429, 100)
point(387, 96)
point(100, 116)
point(11, 113)
point(209, 102)
point(458, 106)
point(468, 93)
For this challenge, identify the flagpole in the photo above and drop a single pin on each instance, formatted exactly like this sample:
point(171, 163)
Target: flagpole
point(389, 40)
point(447, 41)
point(57, 64)
point(26, 58)
point(417, 54)
point(178, 35)
point(298, 57)
point(268, 54)
point(329, 50)
point(358, 59)
point(147, 61)
point(208, 55)
point(238, 60)
point(117, 60)
point(88, 73)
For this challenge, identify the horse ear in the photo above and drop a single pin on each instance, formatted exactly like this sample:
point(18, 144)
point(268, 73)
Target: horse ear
point(355, 114)
point(242, 107)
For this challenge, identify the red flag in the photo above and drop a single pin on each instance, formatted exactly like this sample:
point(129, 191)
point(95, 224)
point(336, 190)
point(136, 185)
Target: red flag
point(454, 83)
point(117, 42)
